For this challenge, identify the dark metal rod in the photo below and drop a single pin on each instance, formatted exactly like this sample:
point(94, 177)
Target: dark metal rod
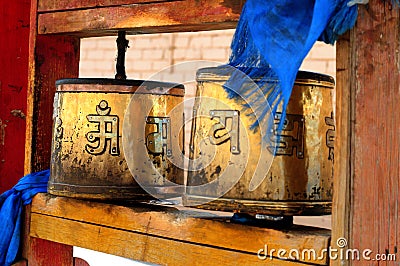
point(122, 45)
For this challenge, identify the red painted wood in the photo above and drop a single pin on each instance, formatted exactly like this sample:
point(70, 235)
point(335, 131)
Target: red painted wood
point(80, 262)
point(56, 57)
point(50, 58)
point(20, 263)
point(52, 5)
point(47, 253)
point(14, 32)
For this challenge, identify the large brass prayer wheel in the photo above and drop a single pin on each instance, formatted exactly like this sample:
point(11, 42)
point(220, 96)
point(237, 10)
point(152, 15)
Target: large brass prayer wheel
point(298, 180)
point(88, 159)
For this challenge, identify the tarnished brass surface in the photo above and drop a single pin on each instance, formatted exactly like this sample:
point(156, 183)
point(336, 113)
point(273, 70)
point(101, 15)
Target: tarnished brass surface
point(88, 160)
point(299, 181)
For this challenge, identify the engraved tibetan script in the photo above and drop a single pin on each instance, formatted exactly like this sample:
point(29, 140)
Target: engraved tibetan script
point(58, 133)
point(330, 136)
point(159, 142)
point(107, 133)
point(220, 132)
point(292, 135)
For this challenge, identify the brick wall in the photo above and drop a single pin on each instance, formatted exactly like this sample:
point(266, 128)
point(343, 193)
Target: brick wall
point(149, 54)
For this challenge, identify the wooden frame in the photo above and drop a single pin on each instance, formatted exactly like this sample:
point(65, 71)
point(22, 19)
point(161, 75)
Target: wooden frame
point(366, 200)
point(148, 233)
point(367, 173)
point(13, 89)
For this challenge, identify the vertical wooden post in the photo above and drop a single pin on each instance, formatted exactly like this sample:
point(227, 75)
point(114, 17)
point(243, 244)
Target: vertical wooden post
point(343, 160)
point(367, 187)
point(50, 58)
point(47, 253)
point(14, 31)
point(42, 252)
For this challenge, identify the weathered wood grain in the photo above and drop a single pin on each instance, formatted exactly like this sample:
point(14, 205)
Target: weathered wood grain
point(369, 96)
point(181, 226)
point(168, 16)
point(80, 262)
point(139, 246)
point(54, 5)
point(50, 58)
point(375, 211)
point(20, 263)
point(343, 143)
point(48, 253)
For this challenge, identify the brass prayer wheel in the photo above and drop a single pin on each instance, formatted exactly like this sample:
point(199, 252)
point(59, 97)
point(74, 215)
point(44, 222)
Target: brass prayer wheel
point(88, 159)
point(298, 180)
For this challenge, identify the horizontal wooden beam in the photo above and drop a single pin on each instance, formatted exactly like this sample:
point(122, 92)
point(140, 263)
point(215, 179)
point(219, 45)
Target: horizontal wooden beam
point(138, 246)
point(56, 5)
point(124, 231)
point(188, 15)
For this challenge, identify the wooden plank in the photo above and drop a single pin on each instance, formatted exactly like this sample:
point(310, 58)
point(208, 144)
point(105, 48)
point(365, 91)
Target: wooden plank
point(25, 238)
point(369, 82)
point(185, 15)
point(50, 58)
point(80, 262)
point(41, 252)
point(138, 246)
point(48, 253)
point(54, 5)
point(183, 226)
point(21, 263)
point(375, 222)
point(14, 47)
point(343, 142)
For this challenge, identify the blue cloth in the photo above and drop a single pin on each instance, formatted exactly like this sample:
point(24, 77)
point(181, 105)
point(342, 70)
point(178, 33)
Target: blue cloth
point(11, 203)
point(271, 41)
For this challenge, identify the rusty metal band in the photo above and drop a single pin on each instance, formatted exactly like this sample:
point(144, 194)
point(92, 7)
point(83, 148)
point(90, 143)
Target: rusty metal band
point(97, 192)
point(303, 77)
point(120, 86)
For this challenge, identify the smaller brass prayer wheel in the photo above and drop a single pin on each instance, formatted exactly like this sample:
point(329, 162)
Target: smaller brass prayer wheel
point(225, 152)
point(88, 158)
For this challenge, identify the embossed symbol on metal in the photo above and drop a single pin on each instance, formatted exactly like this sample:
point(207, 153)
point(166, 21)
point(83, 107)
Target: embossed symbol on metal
point(107, 133)
point(159, 141)
point(220, 132)
point(330, 136)
point(291, 137)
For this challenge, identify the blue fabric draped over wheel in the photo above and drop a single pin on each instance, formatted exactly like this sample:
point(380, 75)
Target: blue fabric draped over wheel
point(11, 205)
point(271, 41)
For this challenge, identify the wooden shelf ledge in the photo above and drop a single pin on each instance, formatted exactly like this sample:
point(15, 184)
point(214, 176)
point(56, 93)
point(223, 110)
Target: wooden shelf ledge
point(166, 235)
